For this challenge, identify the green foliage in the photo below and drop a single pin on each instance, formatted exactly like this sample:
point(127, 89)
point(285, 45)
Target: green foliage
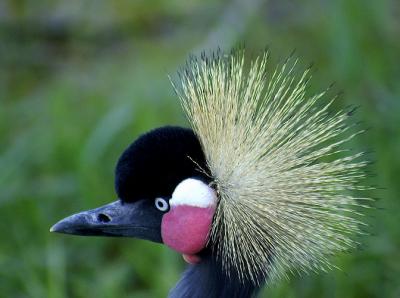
point(79, 80)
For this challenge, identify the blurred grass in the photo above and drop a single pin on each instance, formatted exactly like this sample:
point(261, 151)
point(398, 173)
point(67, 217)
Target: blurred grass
point(80, 80)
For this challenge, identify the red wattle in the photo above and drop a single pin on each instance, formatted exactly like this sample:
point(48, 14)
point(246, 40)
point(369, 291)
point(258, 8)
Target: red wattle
point(191, 259)
point(186, 228)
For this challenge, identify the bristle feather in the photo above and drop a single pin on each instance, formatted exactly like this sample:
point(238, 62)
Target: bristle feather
point(285, 192)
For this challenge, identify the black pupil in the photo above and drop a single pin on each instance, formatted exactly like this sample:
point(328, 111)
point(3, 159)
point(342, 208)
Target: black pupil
point(161, 204)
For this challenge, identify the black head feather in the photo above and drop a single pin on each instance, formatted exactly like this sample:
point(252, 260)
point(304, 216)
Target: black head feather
point(154, 164)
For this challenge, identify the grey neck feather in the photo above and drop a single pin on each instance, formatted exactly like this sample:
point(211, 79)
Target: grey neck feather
point(207, 280)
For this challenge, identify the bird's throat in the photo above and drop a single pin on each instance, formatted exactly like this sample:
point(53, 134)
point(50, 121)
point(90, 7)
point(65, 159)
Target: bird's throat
point(208, 279)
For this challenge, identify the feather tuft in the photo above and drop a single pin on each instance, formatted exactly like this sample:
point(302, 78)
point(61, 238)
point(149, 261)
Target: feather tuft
point(285, 187)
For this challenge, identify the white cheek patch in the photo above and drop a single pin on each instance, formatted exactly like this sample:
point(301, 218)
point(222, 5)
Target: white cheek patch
point(193, 192)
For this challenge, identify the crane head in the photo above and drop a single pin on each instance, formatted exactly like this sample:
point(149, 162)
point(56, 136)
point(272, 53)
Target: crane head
point(163, 195)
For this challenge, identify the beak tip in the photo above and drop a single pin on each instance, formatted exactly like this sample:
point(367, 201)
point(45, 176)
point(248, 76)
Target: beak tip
point(55, 228)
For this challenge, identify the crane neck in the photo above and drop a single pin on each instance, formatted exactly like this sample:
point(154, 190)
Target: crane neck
point(208, 280)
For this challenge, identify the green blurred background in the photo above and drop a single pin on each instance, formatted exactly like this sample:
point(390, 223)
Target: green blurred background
point(79, 80)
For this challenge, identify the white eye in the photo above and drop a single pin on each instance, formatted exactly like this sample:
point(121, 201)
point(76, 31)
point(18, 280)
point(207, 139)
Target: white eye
point(161, 204)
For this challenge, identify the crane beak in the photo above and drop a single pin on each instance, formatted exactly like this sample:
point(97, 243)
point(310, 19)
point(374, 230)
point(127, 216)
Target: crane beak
point(116, 219)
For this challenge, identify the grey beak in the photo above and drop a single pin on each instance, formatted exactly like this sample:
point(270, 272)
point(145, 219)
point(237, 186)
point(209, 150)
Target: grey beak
point(138, 220)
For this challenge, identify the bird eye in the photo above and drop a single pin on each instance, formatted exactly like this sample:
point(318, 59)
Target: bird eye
point(161, 204)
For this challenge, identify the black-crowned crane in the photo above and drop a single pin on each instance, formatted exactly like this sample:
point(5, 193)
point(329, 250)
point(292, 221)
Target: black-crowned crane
point(257, 189)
